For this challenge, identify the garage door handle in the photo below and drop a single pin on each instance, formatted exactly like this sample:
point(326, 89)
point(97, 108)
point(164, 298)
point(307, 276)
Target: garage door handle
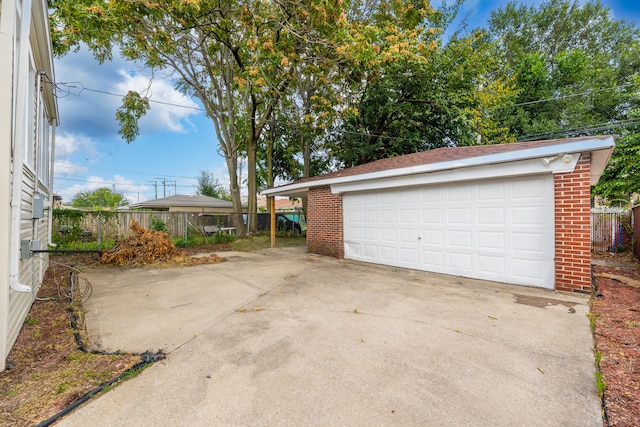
point(419, 238)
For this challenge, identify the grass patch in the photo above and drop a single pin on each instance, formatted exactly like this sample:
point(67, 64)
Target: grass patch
point(263, 241)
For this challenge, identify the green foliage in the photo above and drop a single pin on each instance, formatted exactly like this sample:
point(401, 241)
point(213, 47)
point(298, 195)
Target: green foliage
point(129, 113)
point(415, 104)
point(208, 185)
point(69, 224)
point(97, 199)
point(158, 225)
point(576, 54)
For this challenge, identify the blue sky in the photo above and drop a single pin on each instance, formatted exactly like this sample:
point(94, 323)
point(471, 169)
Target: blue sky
point(174, 143)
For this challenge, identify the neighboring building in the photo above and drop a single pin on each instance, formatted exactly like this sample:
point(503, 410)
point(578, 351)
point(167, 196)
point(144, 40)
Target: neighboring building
point(515, 213)
point(28, 116)
point(282, 204)
point(181, 203)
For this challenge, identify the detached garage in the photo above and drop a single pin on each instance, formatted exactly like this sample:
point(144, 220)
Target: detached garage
point(515, 213)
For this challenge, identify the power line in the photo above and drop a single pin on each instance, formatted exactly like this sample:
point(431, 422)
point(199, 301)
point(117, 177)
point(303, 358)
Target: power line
point(557, 98)
point(82, 88)
point(123, 170)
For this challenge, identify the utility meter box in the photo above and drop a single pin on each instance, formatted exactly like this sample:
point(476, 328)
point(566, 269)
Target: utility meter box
point(38, 206)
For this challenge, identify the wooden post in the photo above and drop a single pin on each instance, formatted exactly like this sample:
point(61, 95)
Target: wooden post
point(272, 211)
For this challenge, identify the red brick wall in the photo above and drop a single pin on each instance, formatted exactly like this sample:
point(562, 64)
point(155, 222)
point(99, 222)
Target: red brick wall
point(324, 224)
point(573, 228)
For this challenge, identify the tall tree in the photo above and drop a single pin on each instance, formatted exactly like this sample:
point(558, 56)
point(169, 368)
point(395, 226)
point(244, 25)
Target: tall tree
point(208, 185)
point(444, 98)
point(237, 57)
point(99, 198)
point(572, 62)
point(574, 65)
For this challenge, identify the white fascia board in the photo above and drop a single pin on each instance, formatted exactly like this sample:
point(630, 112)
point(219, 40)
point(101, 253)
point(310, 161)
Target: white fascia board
point(290, 190)
point(511, 169)
point(586, 145)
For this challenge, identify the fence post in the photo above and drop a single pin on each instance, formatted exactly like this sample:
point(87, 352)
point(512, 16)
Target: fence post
point(99, 232)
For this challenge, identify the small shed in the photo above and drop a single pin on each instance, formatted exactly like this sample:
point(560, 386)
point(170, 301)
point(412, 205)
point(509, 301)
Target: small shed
point(187, 203)
point(515, 213)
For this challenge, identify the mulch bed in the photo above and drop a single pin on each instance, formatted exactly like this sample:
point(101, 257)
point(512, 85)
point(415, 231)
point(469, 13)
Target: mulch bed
point(616, 312)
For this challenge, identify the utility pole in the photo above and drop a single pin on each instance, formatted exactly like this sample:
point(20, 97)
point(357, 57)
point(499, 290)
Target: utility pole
point(164, 186)
point(155, 186)
point(175, 186)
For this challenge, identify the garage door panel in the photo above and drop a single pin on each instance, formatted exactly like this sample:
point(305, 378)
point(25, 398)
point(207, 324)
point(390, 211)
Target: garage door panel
point(433, 258)
point(370, 216)
point(531, 242)
point(388, 216)
point(527, 268)
point(388, 199)
point(408, 216)
point(459, 238)
point(388, 235)
point(432, 216)
point(388, 253)
point(529, 215)
point(370, 251)
point(491, 264)
point(491, 191)
point(498, 229)
point(433, 237)
point(459, 193)
point(409, 236)
point(460, 261)
point(409, 256)
point(369, 233)
point(459, 216)
point(432, 195)
point(491, 216)
point(492, 240)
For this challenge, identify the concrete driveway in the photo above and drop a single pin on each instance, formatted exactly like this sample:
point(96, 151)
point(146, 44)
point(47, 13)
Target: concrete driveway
point(281, 337)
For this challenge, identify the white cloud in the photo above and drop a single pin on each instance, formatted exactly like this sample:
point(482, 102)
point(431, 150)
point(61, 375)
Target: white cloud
point(66, 168)
point(160, 117)
point(68, 144)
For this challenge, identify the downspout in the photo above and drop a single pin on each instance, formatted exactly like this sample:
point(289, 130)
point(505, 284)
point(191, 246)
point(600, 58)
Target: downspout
point(51, 205)
point(19, 138)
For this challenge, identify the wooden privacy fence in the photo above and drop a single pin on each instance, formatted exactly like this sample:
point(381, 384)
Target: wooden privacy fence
point(611, 230)
point(103, 227)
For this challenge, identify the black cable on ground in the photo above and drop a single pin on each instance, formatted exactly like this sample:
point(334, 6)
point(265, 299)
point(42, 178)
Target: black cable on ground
point(147, 359)
point(596, 294)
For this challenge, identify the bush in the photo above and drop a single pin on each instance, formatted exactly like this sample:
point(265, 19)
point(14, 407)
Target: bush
point(158, 225)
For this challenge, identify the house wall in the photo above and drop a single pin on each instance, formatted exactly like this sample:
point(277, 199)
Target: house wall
point(28, 112)
point(324, 225)
point(573, 228)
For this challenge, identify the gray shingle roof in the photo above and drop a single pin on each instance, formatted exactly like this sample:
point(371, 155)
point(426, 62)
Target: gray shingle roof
point(184, 201)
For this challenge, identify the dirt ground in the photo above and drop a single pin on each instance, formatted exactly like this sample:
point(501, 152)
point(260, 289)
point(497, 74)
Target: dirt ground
point(47, 371)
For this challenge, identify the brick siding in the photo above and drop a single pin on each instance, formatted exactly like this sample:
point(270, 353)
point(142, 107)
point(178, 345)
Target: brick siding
point(573, 228)
point(324, 223)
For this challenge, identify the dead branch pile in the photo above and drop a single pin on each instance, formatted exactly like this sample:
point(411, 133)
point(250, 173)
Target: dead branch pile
point(145, 247)
point(141, 247)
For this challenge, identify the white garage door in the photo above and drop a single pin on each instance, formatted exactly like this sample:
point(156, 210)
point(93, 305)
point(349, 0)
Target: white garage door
point(500, 230)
